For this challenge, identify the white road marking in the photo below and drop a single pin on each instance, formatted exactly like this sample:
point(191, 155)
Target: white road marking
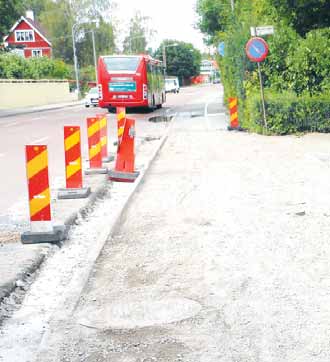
point(36, 118)
point(216, 114)
point(39, 140)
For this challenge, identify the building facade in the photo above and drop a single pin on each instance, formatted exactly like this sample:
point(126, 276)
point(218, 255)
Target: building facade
point(27, 38)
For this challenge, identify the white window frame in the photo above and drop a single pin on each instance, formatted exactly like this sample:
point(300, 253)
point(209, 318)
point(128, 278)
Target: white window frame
point(25, 32)
point(36, 50)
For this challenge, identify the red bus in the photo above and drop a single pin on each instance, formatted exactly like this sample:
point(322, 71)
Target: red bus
point(130, 81)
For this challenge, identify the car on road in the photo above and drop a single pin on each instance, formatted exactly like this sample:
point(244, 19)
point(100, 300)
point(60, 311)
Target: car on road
point(172, 85)
point(92, 97)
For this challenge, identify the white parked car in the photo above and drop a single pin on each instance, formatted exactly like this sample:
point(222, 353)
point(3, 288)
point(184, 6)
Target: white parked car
point(92, 97)
point(172, 85)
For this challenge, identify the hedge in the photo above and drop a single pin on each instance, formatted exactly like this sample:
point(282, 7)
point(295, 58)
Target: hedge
point(16, 67)
point(287, 113)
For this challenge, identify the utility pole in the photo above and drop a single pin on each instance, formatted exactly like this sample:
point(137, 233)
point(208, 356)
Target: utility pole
point(75, 59)
point(94, 53)
point(232, 5)
point(164, 57)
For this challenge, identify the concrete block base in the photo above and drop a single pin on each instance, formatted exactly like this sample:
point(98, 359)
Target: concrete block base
point(109, 158)
point(74, 193)
point(58, 234)
point(123, 176)
point(95, 171)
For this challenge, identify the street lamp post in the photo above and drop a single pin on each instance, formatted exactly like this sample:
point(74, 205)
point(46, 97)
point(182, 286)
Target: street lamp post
point(164, 54)
point(232, 5)
point(75, 57)
point(94, 55)
point(75, 53)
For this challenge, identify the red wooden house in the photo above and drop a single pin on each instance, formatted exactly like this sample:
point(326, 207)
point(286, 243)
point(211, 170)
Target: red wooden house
point(27, 38)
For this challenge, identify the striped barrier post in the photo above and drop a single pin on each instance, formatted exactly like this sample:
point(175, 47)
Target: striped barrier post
point(125, 163)
point(121, 118)
point(233, 111)
point(94, 147)
point(73, 166)
point(106, 157)
point(42, 230)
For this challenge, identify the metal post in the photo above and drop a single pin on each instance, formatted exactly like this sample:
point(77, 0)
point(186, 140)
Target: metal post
point(75, 60)
point(164, 57)
point(232, 5)
point(262, 96)
point(94, 53)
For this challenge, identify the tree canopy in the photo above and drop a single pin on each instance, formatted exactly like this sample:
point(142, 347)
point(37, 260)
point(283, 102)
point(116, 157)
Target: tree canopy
point(182, 59)
point(139, 33)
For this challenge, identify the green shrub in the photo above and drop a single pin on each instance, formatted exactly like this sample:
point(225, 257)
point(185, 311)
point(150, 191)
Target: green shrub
point(16, 67)
point(288, 113)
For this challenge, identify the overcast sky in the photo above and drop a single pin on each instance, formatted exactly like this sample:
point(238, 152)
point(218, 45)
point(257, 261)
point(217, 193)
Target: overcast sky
point(172, 19)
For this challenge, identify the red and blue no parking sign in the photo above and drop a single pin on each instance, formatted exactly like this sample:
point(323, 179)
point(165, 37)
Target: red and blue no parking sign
point(256, 49)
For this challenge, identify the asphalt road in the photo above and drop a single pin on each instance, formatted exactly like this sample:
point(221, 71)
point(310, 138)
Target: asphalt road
point(47, 128)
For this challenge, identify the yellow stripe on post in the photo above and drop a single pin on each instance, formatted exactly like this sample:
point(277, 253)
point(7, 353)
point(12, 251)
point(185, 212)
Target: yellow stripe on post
point(94, 150)
point(233, 103)
point(93, 129)
point(103, 122)
point(120, 131)
point(233, 116)
point(103, 141)
point(121, 115)
point(37, 164)
point(72, 140)
point(73, 167)
point(39, 202)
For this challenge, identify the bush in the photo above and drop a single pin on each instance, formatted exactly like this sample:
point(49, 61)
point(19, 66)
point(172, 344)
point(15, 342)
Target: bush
point(288, 113)
point(16, 67)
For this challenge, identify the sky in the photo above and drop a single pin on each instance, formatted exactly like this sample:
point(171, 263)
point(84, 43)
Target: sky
point(172, 19)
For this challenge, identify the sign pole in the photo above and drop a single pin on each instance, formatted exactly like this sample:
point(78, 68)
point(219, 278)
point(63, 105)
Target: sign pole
point(262, 96)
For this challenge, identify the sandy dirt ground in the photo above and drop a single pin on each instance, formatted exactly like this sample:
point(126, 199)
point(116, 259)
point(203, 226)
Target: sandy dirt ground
point(223, 255)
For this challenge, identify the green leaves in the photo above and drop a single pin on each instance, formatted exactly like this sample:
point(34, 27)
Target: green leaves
point(16, 67)
point(183, 60)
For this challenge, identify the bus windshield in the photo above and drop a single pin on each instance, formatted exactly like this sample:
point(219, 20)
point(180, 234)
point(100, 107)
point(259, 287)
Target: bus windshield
point(122, 64)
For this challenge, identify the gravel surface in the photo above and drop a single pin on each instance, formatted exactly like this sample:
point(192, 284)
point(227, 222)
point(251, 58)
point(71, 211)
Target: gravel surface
point(223, 255)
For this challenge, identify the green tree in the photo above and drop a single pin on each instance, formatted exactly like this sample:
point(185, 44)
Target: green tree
point(10, 12)
point(182, 59)
point(304, 15)
point(139, 32)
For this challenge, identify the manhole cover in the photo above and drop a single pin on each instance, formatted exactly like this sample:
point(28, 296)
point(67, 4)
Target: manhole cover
point(138, 314)
point(160, 119)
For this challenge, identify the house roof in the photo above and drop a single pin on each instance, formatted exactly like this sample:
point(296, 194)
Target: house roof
point(34, 24)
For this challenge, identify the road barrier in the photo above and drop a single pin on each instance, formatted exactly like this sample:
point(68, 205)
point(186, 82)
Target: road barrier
point(94, 147)
point(121, 117)
point(106, 157)
point(233, 111)
point(42, 230)
point(73, 165)
point(124, 169)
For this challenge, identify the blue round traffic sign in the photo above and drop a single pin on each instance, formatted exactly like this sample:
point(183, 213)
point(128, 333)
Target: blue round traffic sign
point(256, 49)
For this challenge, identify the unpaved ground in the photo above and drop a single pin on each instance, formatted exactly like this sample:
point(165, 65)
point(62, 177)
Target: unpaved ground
point(223, 255)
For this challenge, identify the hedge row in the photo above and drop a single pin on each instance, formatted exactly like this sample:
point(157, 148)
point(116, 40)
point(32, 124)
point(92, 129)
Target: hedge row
point(16, 67)
point(288, 113)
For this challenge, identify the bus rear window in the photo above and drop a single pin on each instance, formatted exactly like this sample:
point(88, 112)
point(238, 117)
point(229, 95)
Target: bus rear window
point(121, 64)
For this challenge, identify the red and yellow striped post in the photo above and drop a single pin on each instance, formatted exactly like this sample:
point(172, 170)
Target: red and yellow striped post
point(233, 111)
point(121, 118)
point(104, 137)
point(94, 146)
point(39, 198)
point(38, 182)
point(73, 165)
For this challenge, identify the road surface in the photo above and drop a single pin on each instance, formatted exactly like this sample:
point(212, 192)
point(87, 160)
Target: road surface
point(47, 128)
